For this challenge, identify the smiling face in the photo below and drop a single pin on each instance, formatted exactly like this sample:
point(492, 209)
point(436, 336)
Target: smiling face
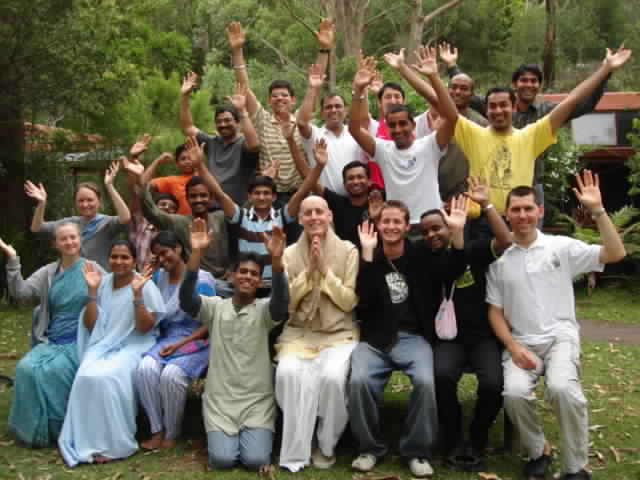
point(281, 101)
point(435, 231)
point(315, 216)
point(184, 163)
point(87, 203)
point(246, 278)
point(527, 87)
point(67, 240)
point(226, 125)
point(333, 112)
point(401, 127)
point(500, 111)
point(461, 90)
point(356, 181)
point(262, 198)
point(167, 205)
point(392, 225)
point(121, 260)
point(199, 199)
point(167, 257)
point(390, 96)
point(523, 214)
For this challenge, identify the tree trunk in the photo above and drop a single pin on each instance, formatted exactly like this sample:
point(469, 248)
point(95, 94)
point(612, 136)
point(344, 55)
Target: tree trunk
point(548, 56)
point(350, 21)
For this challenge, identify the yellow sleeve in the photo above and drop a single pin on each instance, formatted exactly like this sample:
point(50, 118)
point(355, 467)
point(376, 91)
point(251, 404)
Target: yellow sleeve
point(541, 135)
point(342, 291)
point(469, 136)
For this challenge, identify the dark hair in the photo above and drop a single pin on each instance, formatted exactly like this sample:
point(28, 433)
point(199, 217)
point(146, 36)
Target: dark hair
point(281, 84)
point(392, 86)
point(523, 191)
point(400, 205)
point(261, 181)
point(179, 151)
point(355, 164)
point(244, 257)
point(227, 108)
point(433, 211)
point(331, 95)
point(397, 108)
point(193, 181)
point(526, 68)
point(167, 238)
point(126, 243)
point(509, 90)
point(378, 188)
point(89, 186)
point(166, 196)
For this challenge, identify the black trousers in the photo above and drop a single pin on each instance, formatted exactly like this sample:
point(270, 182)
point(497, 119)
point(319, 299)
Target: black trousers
point(484, 358)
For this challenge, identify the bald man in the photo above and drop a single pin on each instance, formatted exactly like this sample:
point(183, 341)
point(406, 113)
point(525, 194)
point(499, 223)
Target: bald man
point(314, 349)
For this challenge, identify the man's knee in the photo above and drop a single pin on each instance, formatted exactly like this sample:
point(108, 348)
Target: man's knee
point(491, 384)
point(253, 460)
point(515, 390)
point(446, 372)
point(564, 390)
point(220, 459)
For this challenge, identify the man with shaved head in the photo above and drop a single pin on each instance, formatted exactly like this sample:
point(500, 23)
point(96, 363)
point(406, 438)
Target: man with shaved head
point(315, 346)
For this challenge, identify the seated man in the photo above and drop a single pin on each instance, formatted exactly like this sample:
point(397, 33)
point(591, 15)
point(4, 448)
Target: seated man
point(314, 348)
point(394, 286)
point(238, 405)
point(531, 309)
point(475, 343)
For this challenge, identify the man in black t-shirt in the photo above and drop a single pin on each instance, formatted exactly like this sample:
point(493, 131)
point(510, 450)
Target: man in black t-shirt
point(475, 344)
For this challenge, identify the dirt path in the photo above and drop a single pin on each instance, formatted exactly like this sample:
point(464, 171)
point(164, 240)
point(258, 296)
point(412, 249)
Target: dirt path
point(609, 332)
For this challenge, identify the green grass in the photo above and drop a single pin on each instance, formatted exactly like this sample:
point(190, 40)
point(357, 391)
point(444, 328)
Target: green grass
point(611, 377)
point(615, 301)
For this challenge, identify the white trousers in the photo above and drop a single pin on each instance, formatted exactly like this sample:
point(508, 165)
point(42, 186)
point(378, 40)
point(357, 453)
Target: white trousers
point(310, 389)
point(163, 394)
point(560, 364)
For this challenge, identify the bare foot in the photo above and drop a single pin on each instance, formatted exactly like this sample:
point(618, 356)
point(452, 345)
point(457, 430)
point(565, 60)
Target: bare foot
point(168, 444)
point(154, 442)
point(101, 459)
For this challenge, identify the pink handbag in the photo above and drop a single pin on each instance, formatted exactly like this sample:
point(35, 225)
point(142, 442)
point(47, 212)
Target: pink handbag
point(446, 325)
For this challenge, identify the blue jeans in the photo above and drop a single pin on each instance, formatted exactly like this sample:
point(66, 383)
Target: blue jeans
point(370, 371)
point(251, 447)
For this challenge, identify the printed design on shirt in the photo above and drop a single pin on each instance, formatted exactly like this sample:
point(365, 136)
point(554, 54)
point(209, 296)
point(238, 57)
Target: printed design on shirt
point(407, 163)
point(398, 288)
point(466, 279)
point(501, 172)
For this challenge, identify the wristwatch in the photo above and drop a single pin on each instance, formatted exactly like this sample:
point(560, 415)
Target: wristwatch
point(598, 213)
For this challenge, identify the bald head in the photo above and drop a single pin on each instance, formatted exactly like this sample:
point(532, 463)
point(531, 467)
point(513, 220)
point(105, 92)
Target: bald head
point(315, 215)
point(461, 90)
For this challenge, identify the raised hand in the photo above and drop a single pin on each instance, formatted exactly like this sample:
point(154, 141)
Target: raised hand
point(271, 170)
point(478, 191)
point(276, 242)
point(327, 34)
point(91, 275)
point(141, 145)
point(37, 192)
point(616, 59)
point(132, 166)
point(376, 202)
point(239, 97)
point(395, 60)
point(588, 190)
point(458, 215)
point(377, 83)
point(189, 83)
point(8, 250)
point(165, 157)
point(167, 350)
point(366, 71)
point(111, 173)
point(320, 152)
point(448, 54)
point(139, 280)
point(316, 77)
point(368, 235)
point(235, 35)
point(195, 152)
point(427, 63)
point(200, 237)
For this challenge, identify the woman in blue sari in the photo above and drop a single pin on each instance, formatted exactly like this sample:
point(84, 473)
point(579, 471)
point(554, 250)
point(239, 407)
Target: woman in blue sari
point(44, 375)
point(97, 230)
point(181, 353)
point(117, 326)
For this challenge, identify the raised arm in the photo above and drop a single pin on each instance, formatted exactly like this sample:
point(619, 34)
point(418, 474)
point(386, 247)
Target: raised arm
point(427, 64)
point(359, 106)
point(18, 286)
point(239, 100)
point(479, 193)
point(279, 301)
point(124, 216)
point(237, 38)
point(144, 318)
point(189, 82)
point(150, 171)
point(190, 301)
point(38, 193)
point(311, 181)
point(612, 62)
point(93, 278)
point(305, 114)
point(456, 220)
point(588, 193)
point(397, 62)
point(449, 55)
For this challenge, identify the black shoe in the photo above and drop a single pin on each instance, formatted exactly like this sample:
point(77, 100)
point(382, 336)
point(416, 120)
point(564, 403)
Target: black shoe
point(581, 475)
point(537, 468)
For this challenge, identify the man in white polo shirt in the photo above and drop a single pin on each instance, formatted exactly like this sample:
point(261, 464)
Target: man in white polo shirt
point(531, 308)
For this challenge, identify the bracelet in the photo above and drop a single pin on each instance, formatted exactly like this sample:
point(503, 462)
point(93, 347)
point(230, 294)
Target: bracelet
point(239, 67)
point(361, 97)
point(488, 207)
point(137, 302)
point(324, 50)
point(598, 213)
point(90, 298)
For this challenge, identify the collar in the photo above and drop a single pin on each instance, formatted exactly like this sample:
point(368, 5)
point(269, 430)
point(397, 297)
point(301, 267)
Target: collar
point(275, 121)
point(253, 216)
point(541, 241)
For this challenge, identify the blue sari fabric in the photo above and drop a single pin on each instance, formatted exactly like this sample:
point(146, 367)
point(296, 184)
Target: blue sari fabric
point(44, 375)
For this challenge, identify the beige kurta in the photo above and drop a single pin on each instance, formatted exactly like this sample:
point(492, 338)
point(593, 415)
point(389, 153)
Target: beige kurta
point(239, 388)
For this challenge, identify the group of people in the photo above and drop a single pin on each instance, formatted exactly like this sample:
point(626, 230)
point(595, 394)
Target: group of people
point(357, 239)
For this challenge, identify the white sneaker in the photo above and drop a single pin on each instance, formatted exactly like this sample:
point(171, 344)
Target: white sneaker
point(319, 460)
point(364, 463)
point(420, 467)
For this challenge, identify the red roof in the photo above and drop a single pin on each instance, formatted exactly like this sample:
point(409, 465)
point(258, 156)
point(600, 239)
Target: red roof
point(611, 101)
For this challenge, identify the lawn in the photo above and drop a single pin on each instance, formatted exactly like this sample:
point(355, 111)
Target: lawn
point(614, 300)
point(611, 376)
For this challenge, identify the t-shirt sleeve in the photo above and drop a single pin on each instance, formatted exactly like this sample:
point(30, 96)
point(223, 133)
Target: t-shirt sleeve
point(259, 117)
point(494, 286)
point(431, 149)
point(382, 147)
point(481, 252)
point(541, 135)
point(466, 135)
point(583, 258)
point(247, 155)
point(332, 198)
point(235, 218)
point(162, 184)
point(208, 309)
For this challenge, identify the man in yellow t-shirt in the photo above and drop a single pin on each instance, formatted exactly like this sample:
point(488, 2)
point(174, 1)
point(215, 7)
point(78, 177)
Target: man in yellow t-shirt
point(505, 155)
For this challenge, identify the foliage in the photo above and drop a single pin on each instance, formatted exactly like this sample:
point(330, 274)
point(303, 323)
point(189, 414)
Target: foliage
point(633, 163)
